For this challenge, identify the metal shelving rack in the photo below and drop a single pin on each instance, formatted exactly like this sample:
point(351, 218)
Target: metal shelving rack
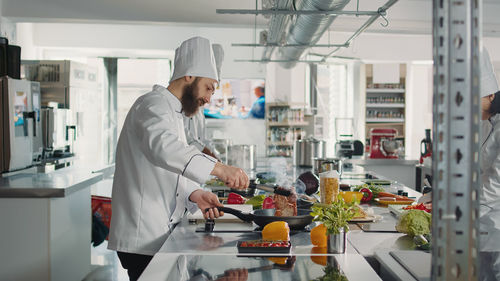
point(456, 183)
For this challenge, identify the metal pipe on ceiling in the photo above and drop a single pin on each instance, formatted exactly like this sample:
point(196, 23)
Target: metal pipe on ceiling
point(277, 26)
point(308, 29)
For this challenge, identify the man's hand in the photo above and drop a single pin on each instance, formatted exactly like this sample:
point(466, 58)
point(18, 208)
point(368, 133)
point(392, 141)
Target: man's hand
point(232, 176)
point(204, 200)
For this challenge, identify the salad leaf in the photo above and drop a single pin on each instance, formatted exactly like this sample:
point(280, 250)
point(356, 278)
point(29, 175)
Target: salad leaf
point(256, 201)
point(414, 222)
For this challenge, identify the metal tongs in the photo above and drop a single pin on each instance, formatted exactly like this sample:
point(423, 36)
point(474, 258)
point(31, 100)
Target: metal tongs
point(270, 188)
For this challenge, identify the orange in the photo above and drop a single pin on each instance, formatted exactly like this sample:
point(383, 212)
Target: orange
point(318, 236)
point(321, 260)
point(278, 260)
point(277, 230)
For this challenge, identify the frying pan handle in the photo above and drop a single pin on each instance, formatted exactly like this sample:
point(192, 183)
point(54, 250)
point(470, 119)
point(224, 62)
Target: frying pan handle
point(237, 213)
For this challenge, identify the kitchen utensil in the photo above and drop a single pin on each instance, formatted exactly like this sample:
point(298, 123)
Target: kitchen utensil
point(321, 165)
point(242, 156)
point(220, 148)
point(265, 216)
point(269, 188)
point(305, 150)
point(383, 143)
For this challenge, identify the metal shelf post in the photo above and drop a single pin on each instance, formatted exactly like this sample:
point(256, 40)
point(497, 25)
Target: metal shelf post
point(456, 183)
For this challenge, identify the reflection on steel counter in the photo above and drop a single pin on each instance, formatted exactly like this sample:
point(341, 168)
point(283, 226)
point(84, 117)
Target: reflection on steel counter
point(255, 268)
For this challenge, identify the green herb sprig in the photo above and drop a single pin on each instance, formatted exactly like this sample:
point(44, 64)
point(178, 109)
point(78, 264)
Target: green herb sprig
point(335, 216)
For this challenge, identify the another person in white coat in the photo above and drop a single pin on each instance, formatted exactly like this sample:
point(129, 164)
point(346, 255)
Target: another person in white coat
point(489, 241)
point(194, 125)
point(153, 161)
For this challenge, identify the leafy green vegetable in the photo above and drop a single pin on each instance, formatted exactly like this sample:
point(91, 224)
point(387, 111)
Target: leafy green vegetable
point(256, 201)
point(375, 189)
point(334, 216)
point(414, 222)
point(332, 274)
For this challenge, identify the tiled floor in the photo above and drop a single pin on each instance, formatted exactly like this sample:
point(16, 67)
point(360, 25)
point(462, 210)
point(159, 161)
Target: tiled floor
point(105, 265)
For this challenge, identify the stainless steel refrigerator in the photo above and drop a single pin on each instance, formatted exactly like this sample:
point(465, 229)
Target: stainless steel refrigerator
point(19, 123)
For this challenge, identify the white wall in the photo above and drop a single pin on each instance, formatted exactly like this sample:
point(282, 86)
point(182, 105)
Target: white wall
point(418, 107)
point(285, 85)
point(121, 40)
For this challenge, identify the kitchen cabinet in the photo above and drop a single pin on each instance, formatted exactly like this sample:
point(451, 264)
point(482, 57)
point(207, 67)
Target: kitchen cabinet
point(46, 225)
point(285, 123)
point(385, 103)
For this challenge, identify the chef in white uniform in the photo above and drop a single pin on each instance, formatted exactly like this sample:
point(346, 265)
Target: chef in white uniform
point(154, 162)
point(490, 173)
point(194, 126)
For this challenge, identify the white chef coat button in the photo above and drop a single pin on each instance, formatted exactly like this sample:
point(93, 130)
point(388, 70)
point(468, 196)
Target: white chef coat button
point(171, 220)
point(177, 194)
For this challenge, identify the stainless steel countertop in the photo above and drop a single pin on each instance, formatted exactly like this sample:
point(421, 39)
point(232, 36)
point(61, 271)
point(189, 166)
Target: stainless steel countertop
point(59, 183)
point(176, 267)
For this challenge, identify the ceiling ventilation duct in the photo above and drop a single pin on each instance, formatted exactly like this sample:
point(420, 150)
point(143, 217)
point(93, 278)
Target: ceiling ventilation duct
point(277, 25)
point(307, 29)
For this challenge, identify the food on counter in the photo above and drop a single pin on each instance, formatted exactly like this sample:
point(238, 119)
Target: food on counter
point(423, 242)
point(265, 243)
point(352, 196)
point(398, 197)
point(234, 198)
point(318, 236)
point(420, 206)
point(277, 230)
point(265, 247)
point(359, 213)
point(392, 199)
point(375, 190)
point(335, 217)
point(268, 203)
point(256, 201)
point(367, 195)
point(311, 182)
point(286, 206)
point(414, 222)
point(329, 186)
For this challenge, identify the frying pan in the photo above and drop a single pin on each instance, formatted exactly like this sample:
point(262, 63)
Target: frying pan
point(265, 216)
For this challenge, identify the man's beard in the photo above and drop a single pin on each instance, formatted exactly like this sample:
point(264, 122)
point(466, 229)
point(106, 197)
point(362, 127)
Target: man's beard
point(190, 101)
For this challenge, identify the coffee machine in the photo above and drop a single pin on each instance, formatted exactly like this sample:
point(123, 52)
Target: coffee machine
point(426, 146)
point(383, 143)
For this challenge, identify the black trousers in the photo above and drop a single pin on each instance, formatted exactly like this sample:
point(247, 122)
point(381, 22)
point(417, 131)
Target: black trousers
point(134, 264)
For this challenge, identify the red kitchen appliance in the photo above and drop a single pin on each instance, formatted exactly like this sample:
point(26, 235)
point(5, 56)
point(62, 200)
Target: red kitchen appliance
point(383, 143)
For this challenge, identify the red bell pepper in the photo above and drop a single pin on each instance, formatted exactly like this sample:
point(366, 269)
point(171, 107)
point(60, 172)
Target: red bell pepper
point(234, 198)
point(367, 195)
point(268, 203)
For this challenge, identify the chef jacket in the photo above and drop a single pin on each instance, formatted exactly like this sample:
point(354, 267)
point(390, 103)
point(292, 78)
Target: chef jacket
point(194, 127)
point(153, 166)
point(490, 191)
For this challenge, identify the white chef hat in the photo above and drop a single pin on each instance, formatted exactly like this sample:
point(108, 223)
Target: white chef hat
point(195, 57)
point(489, 84)
point(219, 57)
